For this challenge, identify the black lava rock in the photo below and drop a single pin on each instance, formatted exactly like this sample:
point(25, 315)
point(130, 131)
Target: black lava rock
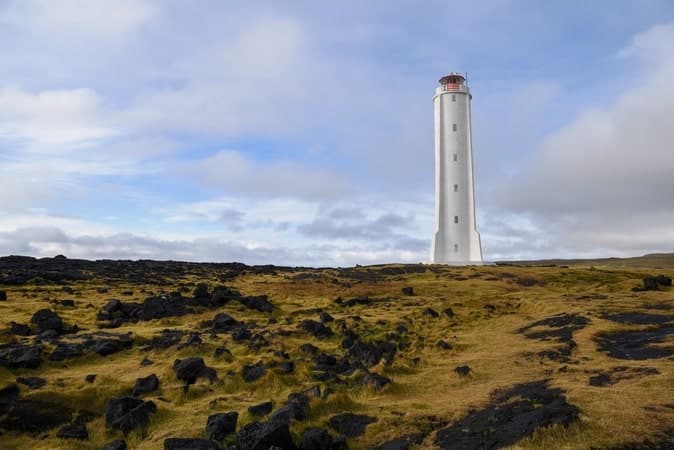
point(32, 382)
point(223, 323)
point(259, 303)
point(90, 378)
point(190, 444)
point(407, 290)
point(376, 382)
point(128, 413)
point(325, 317)
point(220, 425)
point(46, 319)
point(261, 409)
point(9, 395)
point(264, 435)
point(73, 432)
point(20, 329)
point(350, 425)
point(146, 385)
point(430, 312)
point(19, 356)
point(3, 296)
point(449, 312)
point(316, 328)
point(188, 370)
point(253, 372)
point(462, 370)
point(316, 439)
point(444, 345)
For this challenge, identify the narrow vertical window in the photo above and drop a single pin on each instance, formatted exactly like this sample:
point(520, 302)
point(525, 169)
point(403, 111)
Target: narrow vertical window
point(456, 188)
point(456, 219)
point(453, 97)
point(453, 127)
point(456, 248)
point(455, 157)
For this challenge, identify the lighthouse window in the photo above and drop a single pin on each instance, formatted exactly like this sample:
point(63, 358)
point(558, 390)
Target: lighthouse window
point(453, 127)
point(455, 157)
point(456, 219)
point(453, 97)
point(456, 188)
point(456, 248)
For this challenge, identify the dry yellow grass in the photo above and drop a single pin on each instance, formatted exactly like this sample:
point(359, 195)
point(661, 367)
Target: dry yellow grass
point(422, 395)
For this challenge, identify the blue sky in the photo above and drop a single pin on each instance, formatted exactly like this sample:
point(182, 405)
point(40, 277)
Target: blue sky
point(301, 132)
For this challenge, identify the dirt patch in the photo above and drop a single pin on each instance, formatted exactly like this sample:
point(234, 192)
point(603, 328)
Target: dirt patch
point(616, 374)
point(640, 318)
point(558, 328)
point(636, 344)
point(513, 415)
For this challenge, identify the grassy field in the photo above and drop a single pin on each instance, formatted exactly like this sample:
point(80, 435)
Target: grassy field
point(491, 332)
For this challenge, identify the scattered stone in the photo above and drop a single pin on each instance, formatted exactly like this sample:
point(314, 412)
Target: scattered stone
point(190, 444)
point(462, 370)
point(261, 409)
point(190, 369)
point(33, 416)
point(286, 367)
point(20, 329)
point(316, 328)
point(376, 382)
point(223, 323)
point(102, 290)
point(20, 356)
point(407, 290)
point(265, 435)
point(65, 350)
point(115, 445)
point(653, 283)
point(259, 303)
point(146, 385)
point(638, 318)
point(241, 334)
point(220, 425)
point(9, 395)
point(350, 425)
point(128, 413)
point(46, 319)
point(315, 439)
point(363, 300)
point(146, 362)
point(32, 382)
point(309, 349)
point(253, 372)
point(222, 351)
point(3, 296)
point(449, 312)
point(514, 414)
point(325, 317)
point(73, 432)
point(294, 410)
point(444, 345)
point(430, 312)
point(90, 378)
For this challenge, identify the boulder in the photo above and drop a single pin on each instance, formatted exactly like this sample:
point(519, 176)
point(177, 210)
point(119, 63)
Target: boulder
point(407, 290)
point(33, 416)
point(146, 385)
point(402, 443)
point(449, 312)
point(462, 370)
point(325, 317)
point(190, 369)
point(73, 431)
point(430, 312)
point(66, 350)
point(253, 372)
point(20, 356)
point(376, 382)
point(3, 296)
point(32, 382)
point(115, 445)
point(223, 323)
point(315, 439)
point(261, 409)
point(220, 425)
point(259, 303)
point(46, 319)
point(443, 345)
point(9, 395)
point(190, 444)
point(290, 412)
point(241, 334)
point(350, 425)
point(20, 329)
point(316, 328)
point(128, 413)
point(265, 435)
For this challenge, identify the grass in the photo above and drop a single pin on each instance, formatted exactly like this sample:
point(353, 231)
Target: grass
point(422, 396)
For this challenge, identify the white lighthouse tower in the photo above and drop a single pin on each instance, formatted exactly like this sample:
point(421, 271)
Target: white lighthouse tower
point(456, 240)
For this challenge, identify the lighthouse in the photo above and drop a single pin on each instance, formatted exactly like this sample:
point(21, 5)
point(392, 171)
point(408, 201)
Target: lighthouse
point(456, 240)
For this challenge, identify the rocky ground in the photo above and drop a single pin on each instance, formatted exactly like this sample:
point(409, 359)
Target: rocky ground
point(146, 354)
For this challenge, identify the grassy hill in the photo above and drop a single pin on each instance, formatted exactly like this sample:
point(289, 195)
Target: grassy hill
point(533, 355)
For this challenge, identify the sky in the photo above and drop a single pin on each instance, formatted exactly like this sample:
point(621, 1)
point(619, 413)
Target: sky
point(301, 132)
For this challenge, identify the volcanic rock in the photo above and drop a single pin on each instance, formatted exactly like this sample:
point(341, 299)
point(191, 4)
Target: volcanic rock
point(220, 425)
point(264, 435)
point(190, 444)
point(146, 385)
point(350, 425)
point(128, 413)
point(76, 431)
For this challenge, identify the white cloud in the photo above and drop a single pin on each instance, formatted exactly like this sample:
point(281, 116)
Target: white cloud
point(98, 18)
